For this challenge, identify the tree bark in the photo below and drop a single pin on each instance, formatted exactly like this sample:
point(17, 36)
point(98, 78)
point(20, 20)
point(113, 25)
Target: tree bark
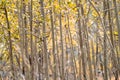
point(10, 43)
point(44, 39)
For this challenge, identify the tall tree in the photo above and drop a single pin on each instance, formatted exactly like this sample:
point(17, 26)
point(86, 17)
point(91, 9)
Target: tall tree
point(44, 38)
point(10, 42)
point(61, 40)
point(53, 39)
point(31, 38)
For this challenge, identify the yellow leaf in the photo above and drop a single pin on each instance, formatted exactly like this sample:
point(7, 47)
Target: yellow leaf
point(94, 13)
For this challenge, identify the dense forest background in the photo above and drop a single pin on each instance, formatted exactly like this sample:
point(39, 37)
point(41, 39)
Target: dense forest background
point(59, 39)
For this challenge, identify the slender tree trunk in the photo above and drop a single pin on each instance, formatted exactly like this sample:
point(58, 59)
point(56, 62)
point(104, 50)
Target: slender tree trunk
point(81, 42)
point(110, 30)
point(31, 39)
point(61, 39)
point(118, 27)
point(105, 43)
point(93, 61)
point(53, 41)
point(89, 55)
point(72, 50)
point(26, 73)
point(22, 11)
point(117, 19)
point(19, 24)
point(66, 57)
point(44, 39)
point(58, 57)
point(10, 43)
point(80, 35)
